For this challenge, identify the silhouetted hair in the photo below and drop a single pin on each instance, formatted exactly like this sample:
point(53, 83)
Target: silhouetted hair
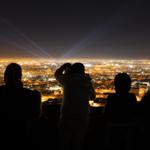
point(122, 82)
point(77, 68)
point(13, 74)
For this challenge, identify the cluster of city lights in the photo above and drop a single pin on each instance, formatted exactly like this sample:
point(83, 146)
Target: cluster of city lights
point(39, 74)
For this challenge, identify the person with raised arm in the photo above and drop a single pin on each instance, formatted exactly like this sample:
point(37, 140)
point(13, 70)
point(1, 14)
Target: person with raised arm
point(74, 115)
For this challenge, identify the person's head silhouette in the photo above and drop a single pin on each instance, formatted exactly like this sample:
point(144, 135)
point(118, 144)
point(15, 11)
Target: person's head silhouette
point(77, 68)
point(13, 75)
point(122, 83)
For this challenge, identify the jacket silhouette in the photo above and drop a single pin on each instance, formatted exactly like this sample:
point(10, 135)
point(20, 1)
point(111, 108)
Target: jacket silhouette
point(120, 112)
point(78, 90)
point(122, 105)
point(19, 107)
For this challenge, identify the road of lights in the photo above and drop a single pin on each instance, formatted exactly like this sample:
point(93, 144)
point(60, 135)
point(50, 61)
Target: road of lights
point(39, 74)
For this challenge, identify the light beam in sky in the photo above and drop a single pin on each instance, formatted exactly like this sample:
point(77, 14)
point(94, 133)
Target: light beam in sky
point(20, 46)
point(100, 33)
point(24, 38)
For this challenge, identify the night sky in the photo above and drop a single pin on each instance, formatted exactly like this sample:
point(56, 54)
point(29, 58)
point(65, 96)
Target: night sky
point(65, 29)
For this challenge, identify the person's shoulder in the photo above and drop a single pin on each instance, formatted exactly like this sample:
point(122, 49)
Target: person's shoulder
point(36, 93)
point(147, 94)
point(112, 96)
point(132, 95)
point(31, 92)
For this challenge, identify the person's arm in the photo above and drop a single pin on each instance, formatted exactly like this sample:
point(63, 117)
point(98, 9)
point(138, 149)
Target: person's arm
point(92, 91)
point(144, 103)
point(144, 99)
point(59, 74)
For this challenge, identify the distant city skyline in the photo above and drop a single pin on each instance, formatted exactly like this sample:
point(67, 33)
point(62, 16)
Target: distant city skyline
point(104, 29)
point(39, 74)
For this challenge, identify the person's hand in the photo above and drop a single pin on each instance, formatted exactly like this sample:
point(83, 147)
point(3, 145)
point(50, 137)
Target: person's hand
point(67, 65)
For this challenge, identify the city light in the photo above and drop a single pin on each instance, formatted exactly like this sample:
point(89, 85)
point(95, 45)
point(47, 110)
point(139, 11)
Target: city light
point(39, 75)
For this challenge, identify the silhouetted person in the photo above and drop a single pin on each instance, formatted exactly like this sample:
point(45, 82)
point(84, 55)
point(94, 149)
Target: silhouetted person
point(120, 112)
point(78, 90)
point(19, 107)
